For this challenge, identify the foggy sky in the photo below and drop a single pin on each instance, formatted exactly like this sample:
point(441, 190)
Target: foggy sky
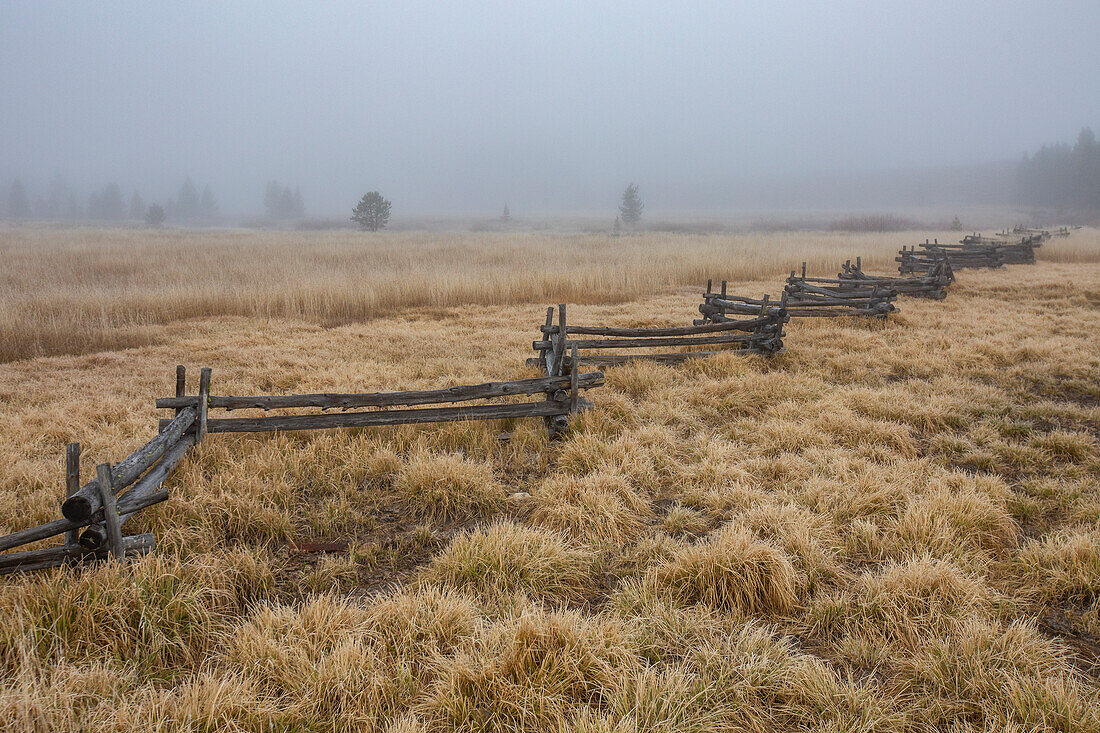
point(555, 106)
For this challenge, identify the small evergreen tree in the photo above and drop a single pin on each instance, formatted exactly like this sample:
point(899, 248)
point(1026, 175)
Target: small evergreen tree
point(956, 225)
point(138, 210)
point(154, 217)
point(106, 205)
point(18, 208)
point(273, 200)
point(187, 202)
point(208, 206)
point(282, 203)
point(507, 215)
point(617, 229)
point(372, 212)
point(57, 197)
point(296, 208)
point(631, 208)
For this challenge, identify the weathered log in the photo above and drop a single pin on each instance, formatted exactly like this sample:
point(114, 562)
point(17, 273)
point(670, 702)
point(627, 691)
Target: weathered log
point(385, 417)
point(86, 502)
point(52, 557)
point(643, 343)
point(95, 535)
point(747, 325)
point(57, 526)
point(726, 307)
point(820, 313)
point(799, 288)
point(460, 393)
point(673, 358)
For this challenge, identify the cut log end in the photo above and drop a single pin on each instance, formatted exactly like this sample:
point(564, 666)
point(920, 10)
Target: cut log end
point(77, 508)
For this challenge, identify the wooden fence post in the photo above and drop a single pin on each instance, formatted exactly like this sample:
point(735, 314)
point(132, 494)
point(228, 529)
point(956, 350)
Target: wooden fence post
point(181, 383)
point(72, 483)
point(559, 349)
point(546, 336)
point(204, 402)
point(574, 381)
point(110, 511)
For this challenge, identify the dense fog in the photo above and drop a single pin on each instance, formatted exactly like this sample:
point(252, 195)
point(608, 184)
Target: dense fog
point(460, 108)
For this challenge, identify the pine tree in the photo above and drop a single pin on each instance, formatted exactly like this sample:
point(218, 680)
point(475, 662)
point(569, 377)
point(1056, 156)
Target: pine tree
point(57, 196)
point(18, 208)
point(155, 216)
point(282, 203)
point(138, 210)
point(106, 205)
point(273, 195)
point(507, 215)
point(187, 203)
point(208, 207)
point(631, 208)
point(372, 212)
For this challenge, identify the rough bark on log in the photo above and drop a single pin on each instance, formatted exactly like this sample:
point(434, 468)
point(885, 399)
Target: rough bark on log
point(458, 393)
point(648, 343)
point(746, 325)
point(95, 535)
point(385, 417)
point(52, 557)
point(86, 502)
point(57, 526)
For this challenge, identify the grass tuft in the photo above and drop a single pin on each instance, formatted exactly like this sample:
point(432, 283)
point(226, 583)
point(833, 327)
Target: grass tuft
point(731, 571)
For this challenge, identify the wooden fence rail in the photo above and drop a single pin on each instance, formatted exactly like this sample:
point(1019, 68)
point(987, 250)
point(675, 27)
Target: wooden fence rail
point(104, 505)
point(760, 335)
point(94, 514)
point(818, 297)
point(1043, 234)
point(1019, 249)
point(976, 251)
point(559, 391)
point(932, 284)
point(912, 261)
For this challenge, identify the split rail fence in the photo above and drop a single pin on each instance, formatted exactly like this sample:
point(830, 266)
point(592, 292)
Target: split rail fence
point(102, 506)
point(762, 334)
point(976, 251)
point(932, 284)
point(94, 514)
point(912, 261)
point(821, 297)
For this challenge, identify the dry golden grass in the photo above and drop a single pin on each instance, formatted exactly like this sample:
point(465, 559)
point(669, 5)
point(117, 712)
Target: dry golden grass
point(891, 527)
point(76, 291)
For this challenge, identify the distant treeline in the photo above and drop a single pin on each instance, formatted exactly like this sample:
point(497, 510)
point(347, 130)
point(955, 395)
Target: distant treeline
point(873, 223)
point(60, 202)
point(1062, 175)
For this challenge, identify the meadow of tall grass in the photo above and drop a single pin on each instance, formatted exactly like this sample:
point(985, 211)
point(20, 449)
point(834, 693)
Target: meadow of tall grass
point(894, 526)
point(65, 291)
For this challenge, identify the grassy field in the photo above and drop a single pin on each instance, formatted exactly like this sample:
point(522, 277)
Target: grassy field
point(891, 527)
point(77, 291)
